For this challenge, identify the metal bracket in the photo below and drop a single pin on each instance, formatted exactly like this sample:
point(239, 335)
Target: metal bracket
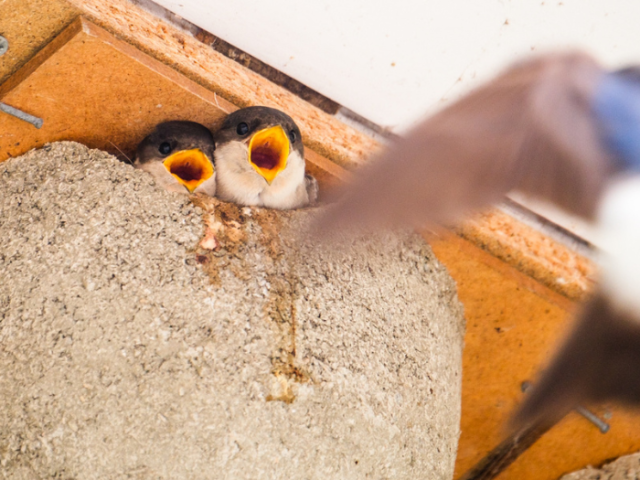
point(35, 121)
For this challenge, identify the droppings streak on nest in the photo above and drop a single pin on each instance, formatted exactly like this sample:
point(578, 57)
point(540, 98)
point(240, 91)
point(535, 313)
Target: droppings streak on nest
point(228, 228)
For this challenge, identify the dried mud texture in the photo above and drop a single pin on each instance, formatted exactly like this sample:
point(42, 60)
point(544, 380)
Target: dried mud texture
point(143, 336)
point(624, 468)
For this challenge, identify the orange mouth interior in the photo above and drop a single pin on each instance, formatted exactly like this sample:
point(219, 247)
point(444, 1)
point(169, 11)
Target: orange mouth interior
point(189, 167)
point(268, 152)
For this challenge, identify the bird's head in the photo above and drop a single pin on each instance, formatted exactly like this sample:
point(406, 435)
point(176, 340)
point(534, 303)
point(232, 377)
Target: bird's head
point(184, 148)
point(268, 137)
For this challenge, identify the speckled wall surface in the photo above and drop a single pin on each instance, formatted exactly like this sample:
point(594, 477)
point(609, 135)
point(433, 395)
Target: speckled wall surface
point(29, 25)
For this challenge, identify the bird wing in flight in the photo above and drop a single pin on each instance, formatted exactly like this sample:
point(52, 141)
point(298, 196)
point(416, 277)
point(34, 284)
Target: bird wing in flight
point(531, 128)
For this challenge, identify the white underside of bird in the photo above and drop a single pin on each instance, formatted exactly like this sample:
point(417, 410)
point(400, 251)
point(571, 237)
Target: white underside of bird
point(618, 237)
point(238, 182)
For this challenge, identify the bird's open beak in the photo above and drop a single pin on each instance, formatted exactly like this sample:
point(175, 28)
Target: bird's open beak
point(268, 152)
point(189, 167)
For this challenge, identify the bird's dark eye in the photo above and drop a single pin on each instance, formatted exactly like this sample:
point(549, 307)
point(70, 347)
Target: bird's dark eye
point(242, 129)
point(165, 148)
point(293, 136)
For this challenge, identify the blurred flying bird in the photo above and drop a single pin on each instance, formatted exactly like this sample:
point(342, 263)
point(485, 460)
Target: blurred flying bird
point(179, 155)
point(559, 127)
point(259, 160)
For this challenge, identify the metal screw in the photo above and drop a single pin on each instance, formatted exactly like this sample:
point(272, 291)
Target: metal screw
point(588, 414)
point(35, 121)
point(526, 385)
point(4, 45)
point(598, 422)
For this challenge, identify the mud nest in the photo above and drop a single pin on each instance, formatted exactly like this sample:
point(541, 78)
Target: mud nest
point(149, 335)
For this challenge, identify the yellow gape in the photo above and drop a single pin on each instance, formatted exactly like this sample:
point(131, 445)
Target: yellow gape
point(189, 167)
point(268, 152)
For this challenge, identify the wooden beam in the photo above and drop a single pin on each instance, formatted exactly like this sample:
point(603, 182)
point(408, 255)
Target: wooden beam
point(321, 132)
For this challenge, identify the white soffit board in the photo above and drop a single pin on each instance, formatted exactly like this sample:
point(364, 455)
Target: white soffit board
point(393, 62)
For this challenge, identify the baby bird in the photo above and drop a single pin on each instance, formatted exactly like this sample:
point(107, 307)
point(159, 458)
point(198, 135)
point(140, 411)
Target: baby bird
point(259, 160)
point(179, 154)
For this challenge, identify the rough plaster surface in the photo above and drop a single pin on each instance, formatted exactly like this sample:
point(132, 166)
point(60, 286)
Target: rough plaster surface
point(624, 468)
point(144, 337)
